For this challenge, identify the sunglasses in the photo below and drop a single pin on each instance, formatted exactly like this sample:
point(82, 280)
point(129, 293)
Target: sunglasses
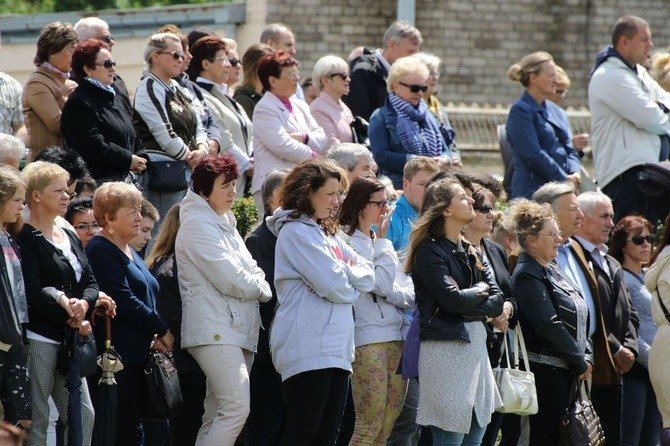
point(82, 227)
point(640, 239)
point(484, 209)
point(342, 76)
point(176, 55)
point(415, 88)
point(108, 38)
point(107, 63)
point(381, 204)
point(234, 62)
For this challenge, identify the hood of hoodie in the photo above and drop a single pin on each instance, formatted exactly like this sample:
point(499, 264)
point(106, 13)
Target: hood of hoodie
point(195, 206)
point(282, 216)
point(605, 54)
point(654, 272)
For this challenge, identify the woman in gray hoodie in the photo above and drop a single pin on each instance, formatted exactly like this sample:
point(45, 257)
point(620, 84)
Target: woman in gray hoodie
point(318, 277)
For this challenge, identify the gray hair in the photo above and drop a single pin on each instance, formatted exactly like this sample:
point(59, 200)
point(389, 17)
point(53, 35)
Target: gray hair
point(589, 200)
point(11, 147)
point(348, 154)
point(327, 66)
point(404, 66)
point(401, 30)
point(273, 31)
point(272, 181)
point(431, 61)
point(90, 28)
point(550, 192)
point(157, 43)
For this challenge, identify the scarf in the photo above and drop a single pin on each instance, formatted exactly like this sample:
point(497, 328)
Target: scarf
point(97, 83)
point(48, 66)
point(419, 135)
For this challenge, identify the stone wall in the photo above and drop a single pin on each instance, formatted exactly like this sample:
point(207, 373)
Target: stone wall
point(477, 40)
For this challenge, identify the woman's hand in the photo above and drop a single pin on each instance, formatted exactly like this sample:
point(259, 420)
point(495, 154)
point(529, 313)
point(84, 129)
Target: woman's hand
point(383, 223)
point(501, 322)
point(68, 88)
point(106, 304)
point(85, 328)
point(137, 164)
point(587, 374)
point(79, 308)
point(64, 302)
point(575, 179)
point(195, 156)
point(164, 343)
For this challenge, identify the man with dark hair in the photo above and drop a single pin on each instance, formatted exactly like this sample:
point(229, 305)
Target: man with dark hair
point(629, 120)
point(69, 160)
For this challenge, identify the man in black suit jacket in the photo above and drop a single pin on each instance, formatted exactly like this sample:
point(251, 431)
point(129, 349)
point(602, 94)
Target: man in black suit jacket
point(617, 317)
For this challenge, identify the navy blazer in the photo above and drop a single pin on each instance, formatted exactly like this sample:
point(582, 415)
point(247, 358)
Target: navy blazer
point(541, 142)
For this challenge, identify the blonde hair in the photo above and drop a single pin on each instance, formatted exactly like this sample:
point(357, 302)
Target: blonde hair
point(529, 218)
point(404, 66)
point(431, 61)
point(430, 224)
point(419, 164)
point(530, 64)
point(562, 79)
point(110, 197)
point(660, 69)
point(38, 175)
point(165, 240)
point(157, 43)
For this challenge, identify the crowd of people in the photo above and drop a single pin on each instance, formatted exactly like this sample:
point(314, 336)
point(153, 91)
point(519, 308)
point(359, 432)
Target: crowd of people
point(370, 303)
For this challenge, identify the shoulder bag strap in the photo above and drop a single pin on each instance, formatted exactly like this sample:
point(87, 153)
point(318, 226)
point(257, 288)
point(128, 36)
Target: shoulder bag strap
point(663, 307)
point(519, 342)
point(506, 351)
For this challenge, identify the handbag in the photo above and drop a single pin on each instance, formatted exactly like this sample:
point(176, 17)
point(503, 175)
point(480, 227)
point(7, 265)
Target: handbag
point(163, 398)
point(167, 175)
point(515, 386)
point(359, 129)
point(580, 425)
point(82, 349)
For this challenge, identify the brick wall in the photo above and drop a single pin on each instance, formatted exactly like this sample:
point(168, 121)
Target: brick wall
point(477, 40)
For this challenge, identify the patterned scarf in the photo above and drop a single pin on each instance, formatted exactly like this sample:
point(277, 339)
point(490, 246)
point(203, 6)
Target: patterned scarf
point(48, 66)
point(419, 135)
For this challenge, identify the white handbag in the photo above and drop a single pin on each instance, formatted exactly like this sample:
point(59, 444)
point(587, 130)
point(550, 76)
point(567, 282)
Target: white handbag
point(516, 387)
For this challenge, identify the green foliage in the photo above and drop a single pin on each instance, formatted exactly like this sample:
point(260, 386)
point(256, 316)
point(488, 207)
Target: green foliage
point(245, 212)
point(47, 6)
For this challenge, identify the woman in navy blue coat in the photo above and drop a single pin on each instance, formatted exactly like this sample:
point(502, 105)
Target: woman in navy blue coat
point(541, 140)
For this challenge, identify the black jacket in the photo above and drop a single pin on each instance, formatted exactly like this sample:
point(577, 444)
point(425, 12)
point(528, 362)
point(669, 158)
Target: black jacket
point(43, 267)
point(547, 313)
point(367, 89)
point(96, 124)
point(261, 244)
point(444, 273)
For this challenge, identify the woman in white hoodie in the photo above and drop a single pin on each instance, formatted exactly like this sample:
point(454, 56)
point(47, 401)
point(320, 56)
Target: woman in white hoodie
point(318, 277)
point(221, 287)
point(378, 392)
point(657, 281)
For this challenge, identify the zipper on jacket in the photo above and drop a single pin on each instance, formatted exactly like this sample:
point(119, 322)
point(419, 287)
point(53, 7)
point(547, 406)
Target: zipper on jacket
point(374, 299)
point(567, 309)
point(434, 314)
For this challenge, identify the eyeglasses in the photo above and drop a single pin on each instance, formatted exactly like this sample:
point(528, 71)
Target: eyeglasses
point(381, 204)
point(484, 209)
point(107, 63)
point(562, 93)
point(83, 227)
point(552, 234)
point(640, 239)
point(415, 88)
point(108, 38)
point(343, 76)
point(295, 74)
point(176, 55)
point(234, 62)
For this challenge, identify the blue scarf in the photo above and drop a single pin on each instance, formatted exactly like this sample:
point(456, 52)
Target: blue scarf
point(419, 135)
point(97, 83)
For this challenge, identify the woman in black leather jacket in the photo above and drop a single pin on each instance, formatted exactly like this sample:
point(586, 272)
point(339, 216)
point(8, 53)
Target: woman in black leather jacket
point(553, 316)
point(456, 294)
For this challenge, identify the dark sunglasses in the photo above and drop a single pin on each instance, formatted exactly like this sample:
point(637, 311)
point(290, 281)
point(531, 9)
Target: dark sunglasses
point(640, 239)
point(106, 63)
point(415, 88)
point(176, 55)
point(235, 62)
point(108, 38)
point(342, 76)
point(484, 209)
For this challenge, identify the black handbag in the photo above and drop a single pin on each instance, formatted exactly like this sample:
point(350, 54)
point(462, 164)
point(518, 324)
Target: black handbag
point(580, 426)
point(163, 398)
point(359, 129)
point(167, 176)
point(82, 349)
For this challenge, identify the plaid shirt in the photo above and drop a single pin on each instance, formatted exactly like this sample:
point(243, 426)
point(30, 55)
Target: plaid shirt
point(11, 113)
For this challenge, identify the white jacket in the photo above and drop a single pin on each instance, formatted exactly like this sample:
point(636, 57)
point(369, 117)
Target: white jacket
point(274, 148)
point(378, 315)
point(625, 119)
point(219, 281)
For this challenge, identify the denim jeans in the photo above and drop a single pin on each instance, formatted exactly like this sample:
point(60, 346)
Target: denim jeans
point(641, 420)
point(474, 437)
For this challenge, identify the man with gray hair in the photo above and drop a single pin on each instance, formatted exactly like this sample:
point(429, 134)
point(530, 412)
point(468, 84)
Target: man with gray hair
point(281, 37)
point(355, 158)
point(12, 150)
point(618, 318)
point(368, 90)
point(98, 29)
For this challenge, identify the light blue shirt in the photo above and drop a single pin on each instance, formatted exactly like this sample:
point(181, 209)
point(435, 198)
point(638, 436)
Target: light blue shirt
point(566, 260)
point(598, 254)
point(400, 226)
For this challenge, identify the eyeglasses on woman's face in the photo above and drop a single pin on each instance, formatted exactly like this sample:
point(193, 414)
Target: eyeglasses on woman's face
point(638, 240)
point(234, 62)
point(343, 76)
point(381, 204)
point(176, 55)
point(553, 234)
point(84, 227)
point(415, 88)
point(484, 208)
point(107, 63)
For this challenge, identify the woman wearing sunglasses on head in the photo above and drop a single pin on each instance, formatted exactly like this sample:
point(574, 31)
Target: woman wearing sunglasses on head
point(404, 127)
point(167, 124)
point(95, 122)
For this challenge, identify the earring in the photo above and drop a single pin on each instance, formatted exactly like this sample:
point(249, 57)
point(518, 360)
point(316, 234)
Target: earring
point(110, 231)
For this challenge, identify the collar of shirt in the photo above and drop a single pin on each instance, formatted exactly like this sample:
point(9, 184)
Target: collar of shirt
point(384, 62)
point(597, 251)
point(221, 88)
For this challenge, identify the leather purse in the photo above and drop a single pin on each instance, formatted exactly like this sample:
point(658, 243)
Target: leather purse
point(515, 386)
point(163, 398)
point(580, 425)
point(81, 349)
point(167, 176)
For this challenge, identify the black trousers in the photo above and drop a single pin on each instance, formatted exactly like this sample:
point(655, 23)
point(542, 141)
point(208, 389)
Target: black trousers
point(265, 424)
point(314, 406)
point(628, 199)
point(553, 386)
point(185, 426)
point(607, 402)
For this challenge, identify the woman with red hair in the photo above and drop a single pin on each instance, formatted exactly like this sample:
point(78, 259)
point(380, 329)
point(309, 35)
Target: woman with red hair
point(221, 287)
